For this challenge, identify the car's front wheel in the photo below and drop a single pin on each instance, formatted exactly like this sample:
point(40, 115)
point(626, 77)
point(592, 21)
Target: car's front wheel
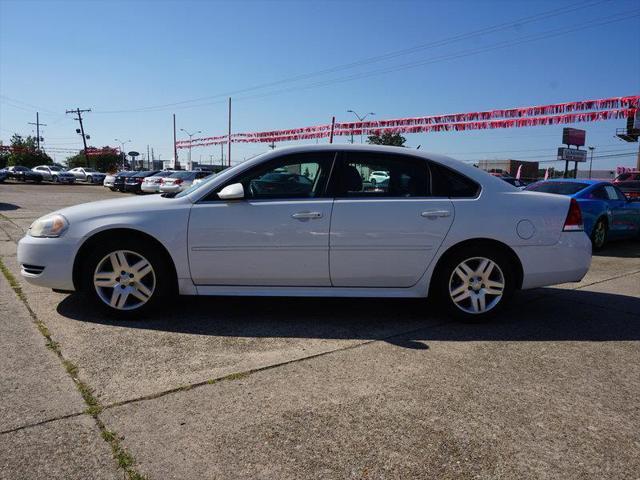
point(126, 278)
point(474, 284)
point(89, 179)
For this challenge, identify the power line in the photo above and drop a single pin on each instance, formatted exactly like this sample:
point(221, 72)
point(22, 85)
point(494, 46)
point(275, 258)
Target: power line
point(434, 44)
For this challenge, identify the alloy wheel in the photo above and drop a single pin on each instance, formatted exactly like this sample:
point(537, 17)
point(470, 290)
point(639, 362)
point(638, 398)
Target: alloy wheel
point(124, 280)
point(476, 285)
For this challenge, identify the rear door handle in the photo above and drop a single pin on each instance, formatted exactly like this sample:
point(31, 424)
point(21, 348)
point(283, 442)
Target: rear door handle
point(306, 215)
point(435, 213)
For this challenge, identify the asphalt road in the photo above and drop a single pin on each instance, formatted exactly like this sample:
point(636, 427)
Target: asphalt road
point(317, 388)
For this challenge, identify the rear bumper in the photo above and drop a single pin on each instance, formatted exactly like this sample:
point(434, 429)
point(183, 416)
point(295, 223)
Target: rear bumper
point(131, 187)
point(566, 261)
point(170, 188)
point(54, 254)
point(150, 188)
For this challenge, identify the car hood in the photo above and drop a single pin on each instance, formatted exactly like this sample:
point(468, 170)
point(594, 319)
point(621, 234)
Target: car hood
point(107, 208)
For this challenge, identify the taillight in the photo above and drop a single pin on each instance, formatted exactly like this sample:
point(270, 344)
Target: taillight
point(139, 180)
point(573, 223)
point(161, 181)
point(178, 181)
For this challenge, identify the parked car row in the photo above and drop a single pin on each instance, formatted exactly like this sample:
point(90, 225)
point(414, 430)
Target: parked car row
point(51, 173)
point(154, 181)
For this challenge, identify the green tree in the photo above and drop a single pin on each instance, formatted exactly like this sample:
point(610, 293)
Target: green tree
point(387, 138)
point(24, 152)
point(103, 160)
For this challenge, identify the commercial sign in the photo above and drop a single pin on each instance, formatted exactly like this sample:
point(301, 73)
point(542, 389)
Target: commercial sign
point(572, 154)
point(573, 136)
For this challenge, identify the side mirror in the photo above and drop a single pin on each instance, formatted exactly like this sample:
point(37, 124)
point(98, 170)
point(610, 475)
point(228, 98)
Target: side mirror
point(235, 191)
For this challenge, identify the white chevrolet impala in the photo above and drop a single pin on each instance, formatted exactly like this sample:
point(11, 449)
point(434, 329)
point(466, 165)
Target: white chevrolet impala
point(303, 222)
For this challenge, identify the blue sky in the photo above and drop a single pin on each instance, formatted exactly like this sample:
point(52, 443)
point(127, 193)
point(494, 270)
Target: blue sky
point(118, 57)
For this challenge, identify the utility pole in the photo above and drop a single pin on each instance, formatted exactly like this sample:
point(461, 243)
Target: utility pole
point(84, 137)
point(591, 162)
point(229, 138)
point(148, 158)
point(176, 164)
point(37, 124)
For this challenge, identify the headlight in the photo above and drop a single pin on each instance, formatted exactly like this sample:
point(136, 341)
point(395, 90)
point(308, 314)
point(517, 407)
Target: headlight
point(49, 226)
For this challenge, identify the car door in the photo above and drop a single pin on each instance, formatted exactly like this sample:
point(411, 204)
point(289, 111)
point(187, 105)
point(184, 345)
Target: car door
point(44, 171)
point(278, 235)
point(385, 234)
point(626, 215)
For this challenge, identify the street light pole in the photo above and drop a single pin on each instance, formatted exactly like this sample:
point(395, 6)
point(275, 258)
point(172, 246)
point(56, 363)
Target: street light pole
point(122, 144)
point(591, 162)
point(190, 137)
point(361, 119)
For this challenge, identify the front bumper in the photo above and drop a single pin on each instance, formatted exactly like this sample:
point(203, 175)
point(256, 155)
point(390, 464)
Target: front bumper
point(566, 261)
point(66, 179)
point(56, 255)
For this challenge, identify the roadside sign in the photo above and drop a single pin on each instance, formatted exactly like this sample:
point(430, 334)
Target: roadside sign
point(133, 154)
point(573, 136)
point(572, 154)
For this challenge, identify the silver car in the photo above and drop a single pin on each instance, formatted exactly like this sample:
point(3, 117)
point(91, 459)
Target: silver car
point(179, 181)
point(87, 174)
point(53, 173)
point(152, 183)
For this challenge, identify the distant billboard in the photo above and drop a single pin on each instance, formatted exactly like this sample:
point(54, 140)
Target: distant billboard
point(573, 136)
point(572, 154)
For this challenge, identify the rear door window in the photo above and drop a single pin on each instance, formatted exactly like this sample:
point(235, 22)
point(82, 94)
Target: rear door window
point(371, 174)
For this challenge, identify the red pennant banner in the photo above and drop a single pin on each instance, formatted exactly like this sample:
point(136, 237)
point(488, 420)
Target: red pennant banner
point(559, 113)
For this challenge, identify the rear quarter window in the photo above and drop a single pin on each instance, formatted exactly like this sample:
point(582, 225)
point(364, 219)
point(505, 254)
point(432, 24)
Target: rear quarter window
point(449, 183)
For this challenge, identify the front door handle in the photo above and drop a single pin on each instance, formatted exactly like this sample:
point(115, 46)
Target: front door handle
point(306, 215)
point(435, 213)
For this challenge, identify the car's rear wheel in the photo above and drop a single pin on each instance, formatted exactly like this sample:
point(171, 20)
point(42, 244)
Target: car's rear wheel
point(56, 179)
point(89, 179)
point(125, 278)
point(599, 235)
point(474, 284)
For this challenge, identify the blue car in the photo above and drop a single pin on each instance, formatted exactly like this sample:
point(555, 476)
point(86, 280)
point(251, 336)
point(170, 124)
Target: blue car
point(606, 212)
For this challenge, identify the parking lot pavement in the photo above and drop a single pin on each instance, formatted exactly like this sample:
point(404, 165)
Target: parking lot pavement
point(335, 388)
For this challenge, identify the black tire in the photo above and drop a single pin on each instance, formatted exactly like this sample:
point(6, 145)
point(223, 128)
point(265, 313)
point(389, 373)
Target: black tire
point(373, 181)
point(599, 235)
point(163, 289)
point(445, 280)
point(89, 179)
point(55, 179)
point(112, 189)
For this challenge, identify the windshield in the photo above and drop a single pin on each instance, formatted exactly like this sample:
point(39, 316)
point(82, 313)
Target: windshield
point(559, 188)
point(56, 169)
point(90, 170)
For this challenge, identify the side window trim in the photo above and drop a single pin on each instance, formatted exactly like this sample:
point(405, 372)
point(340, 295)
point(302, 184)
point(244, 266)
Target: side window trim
point(211, 197)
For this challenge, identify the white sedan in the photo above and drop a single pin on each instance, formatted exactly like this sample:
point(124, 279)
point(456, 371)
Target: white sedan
point(439, 228)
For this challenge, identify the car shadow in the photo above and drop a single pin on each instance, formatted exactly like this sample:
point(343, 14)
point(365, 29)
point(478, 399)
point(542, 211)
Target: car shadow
point(550, 314)
point(5, 207)
point(621, 249)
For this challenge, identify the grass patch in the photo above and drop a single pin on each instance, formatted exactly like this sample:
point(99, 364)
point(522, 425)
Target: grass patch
point(124, 459)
